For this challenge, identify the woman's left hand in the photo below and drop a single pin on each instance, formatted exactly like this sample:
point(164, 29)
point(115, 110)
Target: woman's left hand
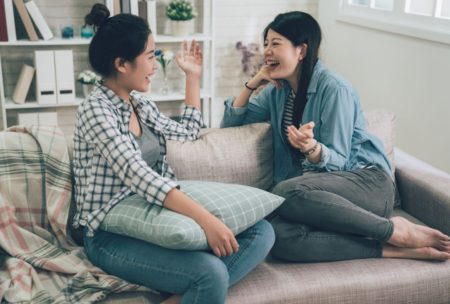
point(303, 137)
point(190, 59)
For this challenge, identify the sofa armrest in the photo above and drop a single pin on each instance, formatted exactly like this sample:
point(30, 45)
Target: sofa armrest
point(424, 191)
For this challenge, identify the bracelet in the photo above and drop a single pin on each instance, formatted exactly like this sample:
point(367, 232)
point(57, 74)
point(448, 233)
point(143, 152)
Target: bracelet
point(312, 150)
point(251, 89)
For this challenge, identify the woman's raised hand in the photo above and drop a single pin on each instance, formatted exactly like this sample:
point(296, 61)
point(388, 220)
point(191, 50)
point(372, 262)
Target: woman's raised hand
point(190, 58)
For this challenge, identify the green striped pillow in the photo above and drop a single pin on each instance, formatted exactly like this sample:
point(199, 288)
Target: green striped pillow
point(238, 206)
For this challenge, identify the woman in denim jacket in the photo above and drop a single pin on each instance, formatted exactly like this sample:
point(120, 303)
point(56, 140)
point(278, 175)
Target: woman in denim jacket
point(334, 175)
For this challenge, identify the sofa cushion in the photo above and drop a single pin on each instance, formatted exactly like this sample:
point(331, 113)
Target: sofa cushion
point(375, 281)
point(381, 123)
point(240, 155)
point(239, 207)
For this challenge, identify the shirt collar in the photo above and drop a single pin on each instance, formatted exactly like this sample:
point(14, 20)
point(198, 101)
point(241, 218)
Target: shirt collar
point(113, 97)
point(318, 69)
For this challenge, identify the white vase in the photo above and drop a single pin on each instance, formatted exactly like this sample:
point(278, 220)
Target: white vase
point(182, 28)
point(87, 89)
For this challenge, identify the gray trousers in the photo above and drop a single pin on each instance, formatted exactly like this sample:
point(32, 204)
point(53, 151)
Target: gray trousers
point(332, 216)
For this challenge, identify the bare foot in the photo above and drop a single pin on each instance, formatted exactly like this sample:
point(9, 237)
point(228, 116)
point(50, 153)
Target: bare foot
point(410, 235)
point(424, 253)
point(175, 299)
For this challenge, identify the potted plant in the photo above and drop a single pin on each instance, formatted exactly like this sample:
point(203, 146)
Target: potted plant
point(181, 13)
point(87, 79)
point(164, 58)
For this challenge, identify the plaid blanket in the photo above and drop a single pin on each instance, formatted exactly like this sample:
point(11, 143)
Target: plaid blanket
point(42, 263)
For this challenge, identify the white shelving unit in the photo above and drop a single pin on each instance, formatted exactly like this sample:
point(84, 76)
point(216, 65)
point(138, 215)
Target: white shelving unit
point(204, 35)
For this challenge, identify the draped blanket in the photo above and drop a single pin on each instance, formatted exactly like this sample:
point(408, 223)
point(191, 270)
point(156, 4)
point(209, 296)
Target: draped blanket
point(40, 262)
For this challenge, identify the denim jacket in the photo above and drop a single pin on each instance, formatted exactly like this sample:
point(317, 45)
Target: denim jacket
point(334, 106)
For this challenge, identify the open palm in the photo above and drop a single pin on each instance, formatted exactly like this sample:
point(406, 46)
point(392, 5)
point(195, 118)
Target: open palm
point(190, 59)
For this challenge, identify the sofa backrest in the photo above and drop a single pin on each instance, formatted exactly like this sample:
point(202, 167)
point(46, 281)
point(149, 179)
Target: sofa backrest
point(240, 155)
point(244, 155)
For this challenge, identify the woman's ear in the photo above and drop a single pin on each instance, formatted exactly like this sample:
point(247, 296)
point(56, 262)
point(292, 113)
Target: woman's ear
point(120, 64)
point(303, 50)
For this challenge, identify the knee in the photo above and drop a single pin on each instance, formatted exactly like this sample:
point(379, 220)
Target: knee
point(210, 282)
point(289, 239)
point(213, 276)
point(282, 248)
point(290, 188)
point(262, 238)
point(282, 188)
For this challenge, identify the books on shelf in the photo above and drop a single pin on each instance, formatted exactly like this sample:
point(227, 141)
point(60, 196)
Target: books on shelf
point(134, 8)
point(125, 6)
point(117, 7)
point(110, 5)
point(23, 84)
point(39, 20)
point(147, 11)
point(24, 20)
point(3, 28)
point(9, 16)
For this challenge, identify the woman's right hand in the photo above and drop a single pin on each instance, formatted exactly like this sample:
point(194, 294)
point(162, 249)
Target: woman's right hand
point(220, 238)
point(263, 77)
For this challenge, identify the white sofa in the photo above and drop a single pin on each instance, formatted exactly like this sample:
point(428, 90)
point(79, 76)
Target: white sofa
point(244, 155)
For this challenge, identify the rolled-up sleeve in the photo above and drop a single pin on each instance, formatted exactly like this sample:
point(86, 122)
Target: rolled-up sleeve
point(187, 129)
point(256, 110)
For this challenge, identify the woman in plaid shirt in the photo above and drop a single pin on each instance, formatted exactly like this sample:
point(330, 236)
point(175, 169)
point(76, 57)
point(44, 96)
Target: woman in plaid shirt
point(119, 149)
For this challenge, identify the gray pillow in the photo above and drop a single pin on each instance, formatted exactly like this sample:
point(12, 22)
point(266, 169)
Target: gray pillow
point(239, 155)
point(238, 206)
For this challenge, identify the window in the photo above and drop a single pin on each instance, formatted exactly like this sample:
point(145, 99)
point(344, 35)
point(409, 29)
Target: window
point(426, 19)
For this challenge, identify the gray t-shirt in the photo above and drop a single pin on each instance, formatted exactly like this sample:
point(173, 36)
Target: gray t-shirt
point(149, 145)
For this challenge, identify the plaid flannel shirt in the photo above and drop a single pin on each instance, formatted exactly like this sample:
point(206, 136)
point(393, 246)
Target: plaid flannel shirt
point(107, 161)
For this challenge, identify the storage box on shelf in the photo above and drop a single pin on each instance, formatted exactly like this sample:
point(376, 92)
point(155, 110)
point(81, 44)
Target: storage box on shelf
point(12, 56)
point(15, 53)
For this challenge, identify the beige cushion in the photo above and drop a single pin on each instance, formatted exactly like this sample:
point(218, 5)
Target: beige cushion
point(381, 123)
point(239, 155)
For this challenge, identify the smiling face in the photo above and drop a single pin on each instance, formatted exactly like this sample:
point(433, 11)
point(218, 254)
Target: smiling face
point(139, 72)
point(281, 56)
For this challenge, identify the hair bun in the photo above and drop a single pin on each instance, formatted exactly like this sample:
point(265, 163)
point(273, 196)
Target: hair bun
point(99, 14)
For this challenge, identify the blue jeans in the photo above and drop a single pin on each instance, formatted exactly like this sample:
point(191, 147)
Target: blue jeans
point(200, 276)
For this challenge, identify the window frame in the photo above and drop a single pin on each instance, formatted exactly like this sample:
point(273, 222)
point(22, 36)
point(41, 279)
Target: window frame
point(396, 21)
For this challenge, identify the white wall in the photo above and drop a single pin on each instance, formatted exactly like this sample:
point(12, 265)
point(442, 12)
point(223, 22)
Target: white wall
point(406, 75)
point(242, 20)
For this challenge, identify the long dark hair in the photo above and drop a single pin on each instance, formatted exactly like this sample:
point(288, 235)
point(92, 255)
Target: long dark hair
point(121, 36)
point(299, 28)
